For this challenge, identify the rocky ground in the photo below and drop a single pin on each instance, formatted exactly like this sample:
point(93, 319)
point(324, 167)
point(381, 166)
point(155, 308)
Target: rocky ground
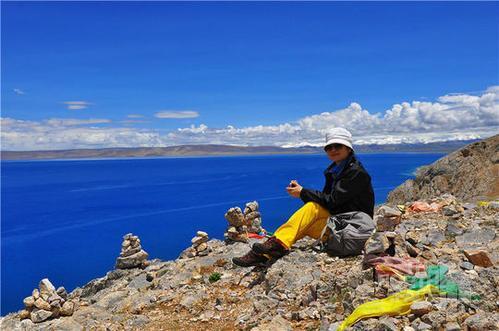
point(304, 290)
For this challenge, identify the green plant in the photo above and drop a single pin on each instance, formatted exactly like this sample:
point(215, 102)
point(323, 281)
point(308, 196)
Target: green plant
point(214, 277)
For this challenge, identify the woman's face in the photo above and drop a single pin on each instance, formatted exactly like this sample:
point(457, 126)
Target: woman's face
point(337, 152)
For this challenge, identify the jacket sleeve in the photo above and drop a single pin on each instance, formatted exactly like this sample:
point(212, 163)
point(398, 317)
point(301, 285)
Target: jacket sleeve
point(346, 189)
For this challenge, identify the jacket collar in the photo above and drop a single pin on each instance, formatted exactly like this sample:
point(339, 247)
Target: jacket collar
point(345, 164)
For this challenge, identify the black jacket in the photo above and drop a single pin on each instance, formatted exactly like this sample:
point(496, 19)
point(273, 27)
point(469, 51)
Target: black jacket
point(352, 191)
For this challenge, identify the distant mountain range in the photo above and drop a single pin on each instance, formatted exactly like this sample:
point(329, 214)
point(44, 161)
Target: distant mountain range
point(212, 150)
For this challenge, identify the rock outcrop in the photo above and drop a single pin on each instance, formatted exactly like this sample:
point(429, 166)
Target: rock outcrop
point(304, 290)
point(469, 173)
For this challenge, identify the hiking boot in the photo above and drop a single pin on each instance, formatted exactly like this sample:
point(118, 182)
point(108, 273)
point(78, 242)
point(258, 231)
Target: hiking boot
point(251, 259)
point(271, 247)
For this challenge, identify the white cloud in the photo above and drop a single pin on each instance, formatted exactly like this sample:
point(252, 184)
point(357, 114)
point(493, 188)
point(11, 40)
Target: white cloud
point(177, 114)
point(68, 134)
point(451, 117)
point(74, 121)
point(76, 105)
point(19, 91)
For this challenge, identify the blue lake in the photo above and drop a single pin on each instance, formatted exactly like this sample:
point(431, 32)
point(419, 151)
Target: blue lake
point(65, 219)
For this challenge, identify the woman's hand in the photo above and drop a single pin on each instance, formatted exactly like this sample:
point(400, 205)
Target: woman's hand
point(294, 189)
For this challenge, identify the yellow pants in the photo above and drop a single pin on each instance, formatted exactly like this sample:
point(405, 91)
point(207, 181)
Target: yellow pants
point(309, 220)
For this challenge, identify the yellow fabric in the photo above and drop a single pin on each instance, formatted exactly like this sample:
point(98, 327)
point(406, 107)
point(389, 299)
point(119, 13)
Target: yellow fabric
point(309, 220)
point(395, 305)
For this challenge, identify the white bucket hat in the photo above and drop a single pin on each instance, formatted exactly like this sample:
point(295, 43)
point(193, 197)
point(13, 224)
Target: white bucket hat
point(339, 136)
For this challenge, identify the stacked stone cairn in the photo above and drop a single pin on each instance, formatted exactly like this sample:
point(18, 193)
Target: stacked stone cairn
point(46, 303)
point(199, 246)
point(132, 255)
point(240, 224)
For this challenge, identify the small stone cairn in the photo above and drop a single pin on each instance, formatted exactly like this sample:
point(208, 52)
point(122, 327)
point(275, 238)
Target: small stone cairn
point(240, 224)
point(199, 245)
point(132, 255)
point(46, 302)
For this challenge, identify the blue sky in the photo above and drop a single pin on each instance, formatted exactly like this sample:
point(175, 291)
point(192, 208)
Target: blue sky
point(74, 74)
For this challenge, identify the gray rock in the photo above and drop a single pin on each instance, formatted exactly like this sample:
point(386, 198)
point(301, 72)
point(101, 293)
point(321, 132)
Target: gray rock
point(137, 321)
point(66, 324)
point(452, 326)
point(389, 211)
point(334, 326)
point(132, 261)
point(40, 315)
point(189, 300)
point(26, 324)
point(139, 282)
point(493, 205)
point(420, 308)
point(423, 326)
point(130, 251)
point(54, 297)
point(67, 308)
point(388, 324)
point(35, 294)
point(466, 265)
point(434, 238)
point(94, 286)
point(61, 291)
point(378, 243)
point(469, 206)
point(453, 230)
point(475, 238)
point(482, 321)
point(449, 210)
point(278, 323)
point(111, 300)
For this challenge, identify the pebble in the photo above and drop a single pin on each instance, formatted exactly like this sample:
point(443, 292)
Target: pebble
point(452, 326)
point(420, 308)
point(466, 265)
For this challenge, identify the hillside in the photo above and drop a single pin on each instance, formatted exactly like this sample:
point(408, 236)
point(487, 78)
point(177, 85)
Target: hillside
point(213, 150)
point(469, 173)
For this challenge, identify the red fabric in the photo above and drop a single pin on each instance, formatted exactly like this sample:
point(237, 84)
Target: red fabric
point(256, 236)
point(408, 266)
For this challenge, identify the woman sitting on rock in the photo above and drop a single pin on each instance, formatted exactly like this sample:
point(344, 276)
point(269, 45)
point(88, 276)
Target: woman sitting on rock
point(347, 188)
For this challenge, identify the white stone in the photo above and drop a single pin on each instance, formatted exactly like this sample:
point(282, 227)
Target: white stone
point(46, 287)
point(201, 234)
